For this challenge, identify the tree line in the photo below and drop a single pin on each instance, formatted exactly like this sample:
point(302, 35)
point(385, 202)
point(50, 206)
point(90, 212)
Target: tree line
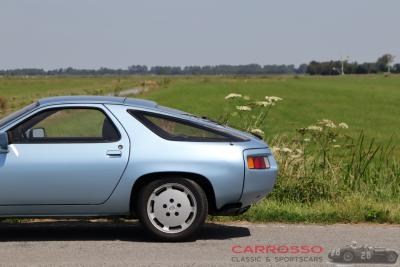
point(383, 64)
point(165, 70)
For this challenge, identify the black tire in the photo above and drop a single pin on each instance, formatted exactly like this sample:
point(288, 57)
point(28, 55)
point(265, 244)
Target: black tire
point(348, 256)
point(391, 257)
point(199, 216)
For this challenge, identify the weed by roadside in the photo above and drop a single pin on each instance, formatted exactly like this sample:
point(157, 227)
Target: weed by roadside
point(325, 174)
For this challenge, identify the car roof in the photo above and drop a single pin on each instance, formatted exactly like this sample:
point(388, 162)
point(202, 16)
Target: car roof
point(97, 99)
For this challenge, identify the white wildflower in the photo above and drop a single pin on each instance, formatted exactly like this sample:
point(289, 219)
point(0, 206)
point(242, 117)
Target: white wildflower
point(336, 146)
point(275, 149)
point(343, 125)
point(306, 139)
point(246, 97)
point(295, 156)
point(273, 98)
point(263, 103)
point(257, 131)
point(299, 151)
point(315, 128)
point(286, 150)
point(330, 125)
point(233, 95)
point(327, 123)
point(243, 108)
point(324, 121)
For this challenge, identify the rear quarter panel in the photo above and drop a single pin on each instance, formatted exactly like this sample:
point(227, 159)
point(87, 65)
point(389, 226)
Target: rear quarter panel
point(258, 182)
point(221, 163)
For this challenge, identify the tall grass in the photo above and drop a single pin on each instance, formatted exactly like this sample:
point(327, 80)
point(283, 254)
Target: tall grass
point(323, 166)
point(309, 173)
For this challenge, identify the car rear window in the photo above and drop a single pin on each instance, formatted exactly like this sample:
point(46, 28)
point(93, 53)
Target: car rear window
point(176, 129)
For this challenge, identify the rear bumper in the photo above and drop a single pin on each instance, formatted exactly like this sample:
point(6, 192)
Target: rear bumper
point(256, 185)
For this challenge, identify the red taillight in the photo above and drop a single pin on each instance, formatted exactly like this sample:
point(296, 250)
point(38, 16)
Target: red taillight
point(257, 162)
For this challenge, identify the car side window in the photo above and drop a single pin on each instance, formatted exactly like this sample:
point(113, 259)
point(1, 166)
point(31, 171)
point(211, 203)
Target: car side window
point(176, 129)
point(66, 125)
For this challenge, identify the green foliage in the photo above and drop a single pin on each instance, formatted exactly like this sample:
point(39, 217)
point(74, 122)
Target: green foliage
point(332, 67)
point(163, 70)
point(382, 64)
point(20, 91)
point(352, 209)
point(310, 172)
point(323, 162)
point(251, 113)
point(376, 215)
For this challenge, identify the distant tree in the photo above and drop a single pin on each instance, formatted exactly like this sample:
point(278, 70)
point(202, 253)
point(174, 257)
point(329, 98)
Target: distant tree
point(192, 70)
point(396, 68)
point(314, 68)
point(324, 68)
point(166, 70)
point(351, 67)
point(137, 69)
point(302, 68)
point(361, 69)
point(384, 62)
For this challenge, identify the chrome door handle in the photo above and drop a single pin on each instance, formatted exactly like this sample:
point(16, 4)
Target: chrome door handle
point(114, 153)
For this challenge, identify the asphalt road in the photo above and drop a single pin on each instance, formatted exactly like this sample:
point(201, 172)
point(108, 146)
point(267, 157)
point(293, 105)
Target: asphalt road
point(126, 244)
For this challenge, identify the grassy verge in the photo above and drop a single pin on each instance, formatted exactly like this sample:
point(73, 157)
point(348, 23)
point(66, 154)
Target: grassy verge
point(353, 209)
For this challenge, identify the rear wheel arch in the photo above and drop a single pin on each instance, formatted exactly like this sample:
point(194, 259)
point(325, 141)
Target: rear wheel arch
point(202, 181)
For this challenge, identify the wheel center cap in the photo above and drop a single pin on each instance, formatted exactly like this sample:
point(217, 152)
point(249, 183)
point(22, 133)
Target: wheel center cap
point(172, 207)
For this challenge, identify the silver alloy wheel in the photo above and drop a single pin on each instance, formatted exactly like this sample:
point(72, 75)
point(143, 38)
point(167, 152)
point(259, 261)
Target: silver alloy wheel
point(171, 208)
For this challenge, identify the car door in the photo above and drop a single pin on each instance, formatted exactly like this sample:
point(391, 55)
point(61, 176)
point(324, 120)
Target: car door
point(70, 154)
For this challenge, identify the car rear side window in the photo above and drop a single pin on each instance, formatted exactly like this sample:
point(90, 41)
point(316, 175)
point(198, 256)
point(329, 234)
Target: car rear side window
point(66, 125)
point(176, 129)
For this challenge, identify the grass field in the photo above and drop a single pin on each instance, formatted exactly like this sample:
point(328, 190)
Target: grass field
point(370, 103)
point(364, 102)
point(19, 91)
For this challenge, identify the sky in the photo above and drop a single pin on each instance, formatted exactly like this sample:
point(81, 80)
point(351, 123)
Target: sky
point(52, 34)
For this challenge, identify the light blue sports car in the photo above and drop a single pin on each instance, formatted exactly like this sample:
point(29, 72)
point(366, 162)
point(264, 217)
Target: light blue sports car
point(81, 156)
